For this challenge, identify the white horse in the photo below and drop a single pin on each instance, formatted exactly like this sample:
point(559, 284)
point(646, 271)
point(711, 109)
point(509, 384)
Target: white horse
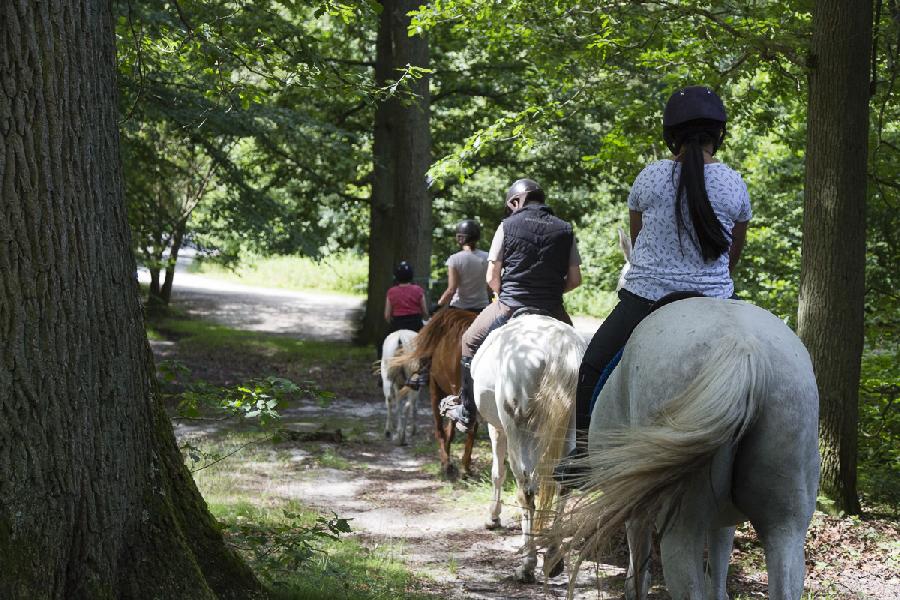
point(401, 401)
point(525, 375)
point(710, 419)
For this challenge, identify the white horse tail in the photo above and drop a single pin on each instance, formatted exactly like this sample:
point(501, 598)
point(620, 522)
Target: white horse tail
point(550, 418)
point(643, 471)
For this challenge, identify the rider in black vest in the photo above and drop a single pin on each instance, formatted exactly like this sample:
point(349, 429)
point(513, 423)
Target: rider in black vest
point(537, 255)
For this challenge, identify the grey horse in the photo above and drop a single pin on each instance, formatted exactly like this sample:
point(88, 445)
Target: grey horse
point(709, 420)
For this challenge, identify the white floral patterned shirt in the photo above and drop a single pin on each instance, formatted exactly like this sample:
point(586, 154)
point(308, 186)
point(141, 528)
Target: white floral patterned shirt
point(662, 262)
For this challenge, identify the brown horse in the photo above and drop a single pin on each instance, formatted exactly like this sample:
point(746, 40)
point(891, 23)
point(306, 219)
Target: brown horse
point(440, 341)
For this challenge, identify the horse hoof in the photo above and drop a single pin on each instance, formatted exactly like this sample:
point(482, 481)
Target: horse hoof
point(492, 525)
point(450, 472)
point(525, 576)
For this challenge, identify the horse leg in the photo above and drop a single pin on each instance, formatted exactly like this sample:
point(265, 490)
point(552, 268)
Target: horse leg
point(467, 451)
point(402, 400)
point(684, 540)
point(720, 544)
point(412, 407)
point(525, 572)
point(389, 393)
point(553, 559)
point(640, 540)
point(785, 562)
point(440, 433)
point(498, 474)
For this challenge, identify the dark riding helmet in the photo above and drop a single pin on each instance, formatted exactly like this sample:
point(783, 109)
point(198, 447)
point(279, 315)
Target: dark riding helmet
point(404, 272)
point(694, 103)
point(522, 191)
point(468, 231)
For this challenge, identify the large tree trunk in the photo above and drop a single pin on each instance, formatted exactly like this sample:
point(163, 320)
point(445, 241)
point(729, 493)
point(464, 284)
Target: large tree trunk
point(412, 152)
point(382, 224)
point(95, 501)
point(832, 278)
point(400, 207)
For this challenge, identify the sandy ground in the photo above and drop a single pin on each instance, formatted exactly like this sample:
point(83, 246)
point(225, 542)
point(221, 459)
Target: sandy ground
point(388, 492)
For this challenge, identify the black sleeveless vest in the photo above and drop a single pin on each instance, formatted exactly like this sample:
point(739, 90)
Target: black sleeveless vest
point(536, 250)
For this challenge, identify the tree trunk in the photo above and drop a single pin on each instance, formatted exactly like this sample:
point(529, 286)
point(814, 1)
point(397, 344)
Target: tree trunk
point(382, 224)
point(165, 293)
point(412, 152)
point(400, 207)
point(832, 277)
point(95, 500)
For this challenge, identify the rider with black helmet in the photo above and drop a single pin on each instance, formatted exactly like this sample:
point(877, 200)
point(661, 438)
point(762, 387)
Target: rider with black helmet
point(532, 262)
point(404, 306)
point(689, 219)
point(466, 287)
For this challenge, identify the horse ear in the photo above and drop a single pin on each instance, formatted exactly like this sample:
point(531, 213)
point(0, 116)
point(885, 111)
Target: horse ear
point(625, 244)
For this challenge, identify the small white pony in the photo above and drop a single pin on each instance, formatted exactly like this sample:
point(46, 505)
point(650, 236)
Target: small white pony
point(401, 401)
point(525, 375)
point(710, 419)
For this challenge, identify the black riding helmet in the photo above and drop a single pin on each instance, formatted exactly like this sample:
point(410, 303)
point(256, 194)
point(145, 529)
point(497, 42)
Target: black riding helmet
point(404, 272)
point(468, 231)
point(694, 103)
point(522, 191)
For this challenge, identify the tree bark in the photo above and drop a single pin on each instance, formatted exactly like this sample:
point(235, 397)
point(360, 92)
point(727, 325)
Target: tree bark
point(165, 292)
point(400, 206)
point(832, 277)
point(95, 500)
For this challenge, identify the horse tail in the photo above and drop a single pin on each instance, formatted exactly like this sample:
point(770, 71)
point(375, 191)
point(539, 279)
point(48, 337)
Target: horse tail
point(446, 327)
point(550, 419)
point(645, 470)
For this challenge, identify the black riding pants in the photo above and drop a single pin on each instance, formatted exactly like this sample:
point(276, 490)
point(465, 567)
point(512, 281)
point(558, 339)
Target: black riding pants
point(607, 341)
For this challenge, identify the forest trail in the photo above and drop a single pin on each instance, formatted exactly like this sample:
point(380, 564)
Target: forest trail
point(393, 496)
point(390, 494)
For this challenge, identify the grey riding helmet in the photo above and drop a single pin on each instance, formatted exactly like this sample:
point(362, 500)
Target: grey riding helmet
point(693, 103)
point(524, 190)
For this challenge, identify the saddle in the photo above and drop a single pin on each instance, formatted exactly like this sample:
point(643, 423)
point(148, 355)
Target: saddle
point(529, 310)
point(611, 365)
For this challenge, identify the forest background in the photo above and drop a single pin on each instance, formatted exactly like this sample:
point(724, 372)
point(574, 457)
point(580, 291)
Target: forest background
point(357, 135)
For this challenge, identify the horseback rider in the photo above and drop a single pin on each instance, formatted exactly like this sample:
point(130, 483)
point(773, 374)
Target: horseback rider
point(466, 270)
point(688, 217)
point(532, 262)
point(404, 306)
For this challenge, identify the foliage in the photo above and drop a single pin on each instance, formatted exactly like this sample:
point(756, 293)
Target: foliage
point(879, 442)
point(285, 545)
point(256, 398)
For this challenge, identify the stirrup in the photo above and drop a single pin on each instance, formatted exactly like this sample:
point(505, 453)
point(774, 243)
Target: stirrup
point(452, 408)
point(448, 404)
point(417, 380)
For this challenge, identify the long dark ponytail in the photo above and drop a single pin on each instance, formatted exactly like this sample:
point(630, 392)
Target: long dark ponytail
point(689, 139)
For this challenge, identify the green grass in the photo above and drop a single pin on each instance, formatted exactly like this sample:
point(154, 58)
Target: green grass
point(273, 532)
point(344, 273)
point(195, 334)
point(340, 568)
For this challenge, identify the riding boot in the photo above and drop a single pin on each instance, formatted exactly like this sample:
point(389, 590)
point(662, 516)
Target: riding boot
point(462, 408)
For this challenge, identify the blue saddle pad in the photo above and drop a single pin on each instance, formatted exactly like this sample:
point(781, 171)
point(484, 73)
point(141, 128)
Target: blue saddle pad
point(607, 370)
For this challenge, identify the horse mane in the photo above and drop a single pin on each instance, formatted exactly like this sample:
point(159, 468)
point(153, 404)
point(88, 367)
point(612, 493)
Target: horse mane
point(445, 327)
